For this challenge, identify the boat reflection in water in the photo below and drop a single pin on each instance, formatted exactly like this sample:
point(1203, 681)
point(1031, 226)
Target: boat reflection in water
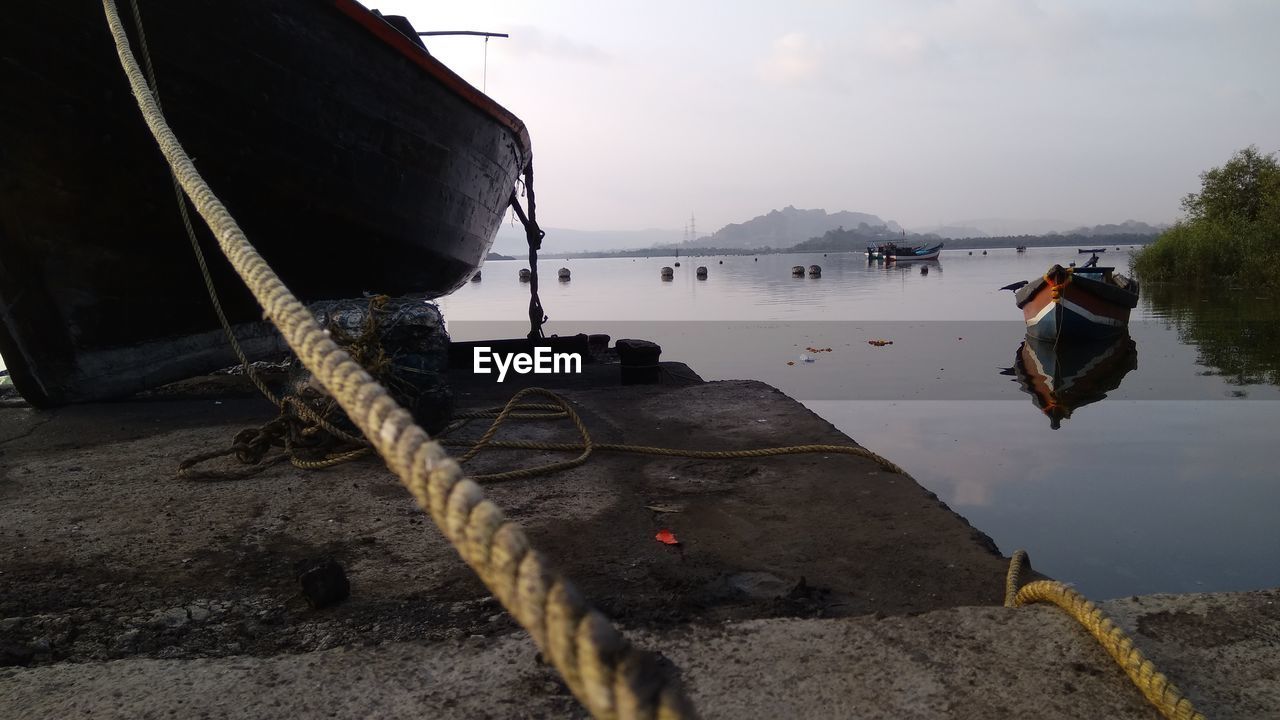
point(1063, 377)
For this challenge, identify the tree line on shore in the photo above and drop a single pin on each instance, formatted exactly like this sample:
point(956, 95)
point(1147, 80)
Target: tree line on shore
point(1231, 231)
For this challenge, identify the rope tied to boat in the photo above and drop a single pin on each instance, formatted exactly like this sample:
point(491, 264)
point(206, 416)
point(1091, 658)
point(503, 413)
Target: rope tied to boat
point(1057, 278)
point(1155, 686)
point(611, 677)
point(311, 427)
point(533, 236)
point(282, 403)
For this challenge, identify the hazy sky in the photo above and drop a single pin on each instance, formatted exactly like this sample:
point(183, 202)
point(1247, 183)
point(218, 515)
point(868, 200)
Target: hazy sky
point(920, 111)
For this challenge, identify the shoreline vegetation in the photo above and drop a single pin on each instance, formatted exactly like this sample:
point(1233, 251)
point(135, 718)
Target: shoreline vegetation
point(1231, 232)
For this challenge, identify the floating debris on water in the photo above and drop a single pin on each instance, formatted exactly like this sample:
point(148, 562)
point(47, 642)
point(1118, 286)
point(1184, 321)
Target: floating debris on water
point(879, 343)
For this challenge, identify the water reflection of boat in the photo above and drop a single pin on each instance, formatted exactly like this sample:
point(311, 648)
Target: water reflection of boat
point(354, 159)
point(1063, 377)
point(1076, 303)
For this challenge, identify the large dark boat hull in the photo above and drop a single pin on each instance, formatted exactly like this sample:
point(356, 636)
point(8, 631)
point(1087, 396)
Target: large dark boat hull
point(353, 160)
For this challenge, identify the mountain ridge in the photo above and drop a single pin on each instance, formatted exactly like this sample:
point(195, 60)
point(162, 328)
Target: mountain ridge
point(786, 227)
point(789, 226)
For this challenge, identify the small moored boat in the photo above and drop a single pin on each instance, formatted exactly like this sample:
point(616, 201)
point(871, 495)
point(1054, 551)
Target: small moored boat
point(1075, 303)
point(916, 253)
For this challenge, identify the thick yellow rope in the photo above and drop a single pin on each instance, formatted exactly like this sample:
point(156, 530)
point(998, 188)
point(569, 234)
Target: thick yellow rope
point(604, 671)
point(1157, 688)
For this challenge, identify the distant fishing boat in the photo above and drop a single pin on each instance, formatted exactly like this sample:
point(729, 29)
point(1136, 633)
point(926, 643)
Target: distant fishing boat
point(355, 161)
point(1093, 251)
point(916, 253)
point(881, 250)
point(1022, 248)
point(1075, 303)
point(1064, 377)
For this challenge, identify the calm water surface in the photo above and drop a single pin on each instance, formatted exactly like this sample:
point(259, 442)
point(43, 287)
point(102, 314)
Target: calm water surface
point(1166, 485)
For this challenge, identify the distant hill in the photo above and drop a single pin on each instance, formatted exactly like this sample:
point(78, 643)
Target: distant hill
point(786, 227)
point(856, 239)
point(808, 230)
point(1128, 227)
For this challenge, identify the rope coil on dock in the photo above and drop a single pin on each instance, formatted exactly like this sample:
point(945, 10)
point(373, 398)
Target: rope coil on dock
point(604, 671)
point(559, 408)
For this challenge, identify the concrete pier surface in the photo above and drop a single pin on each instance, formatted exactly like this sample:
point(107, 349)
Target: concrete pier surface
point(812, 585)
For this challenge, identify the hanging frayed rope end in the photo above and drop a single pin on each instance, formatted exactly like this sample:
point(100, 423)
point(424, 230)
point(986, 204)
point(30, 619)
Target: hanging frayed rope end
point(533, 236)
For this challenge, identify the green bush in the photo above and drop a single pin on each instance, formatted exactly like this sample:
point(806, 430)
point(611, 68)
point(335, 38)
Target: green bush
point(1231, 232)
